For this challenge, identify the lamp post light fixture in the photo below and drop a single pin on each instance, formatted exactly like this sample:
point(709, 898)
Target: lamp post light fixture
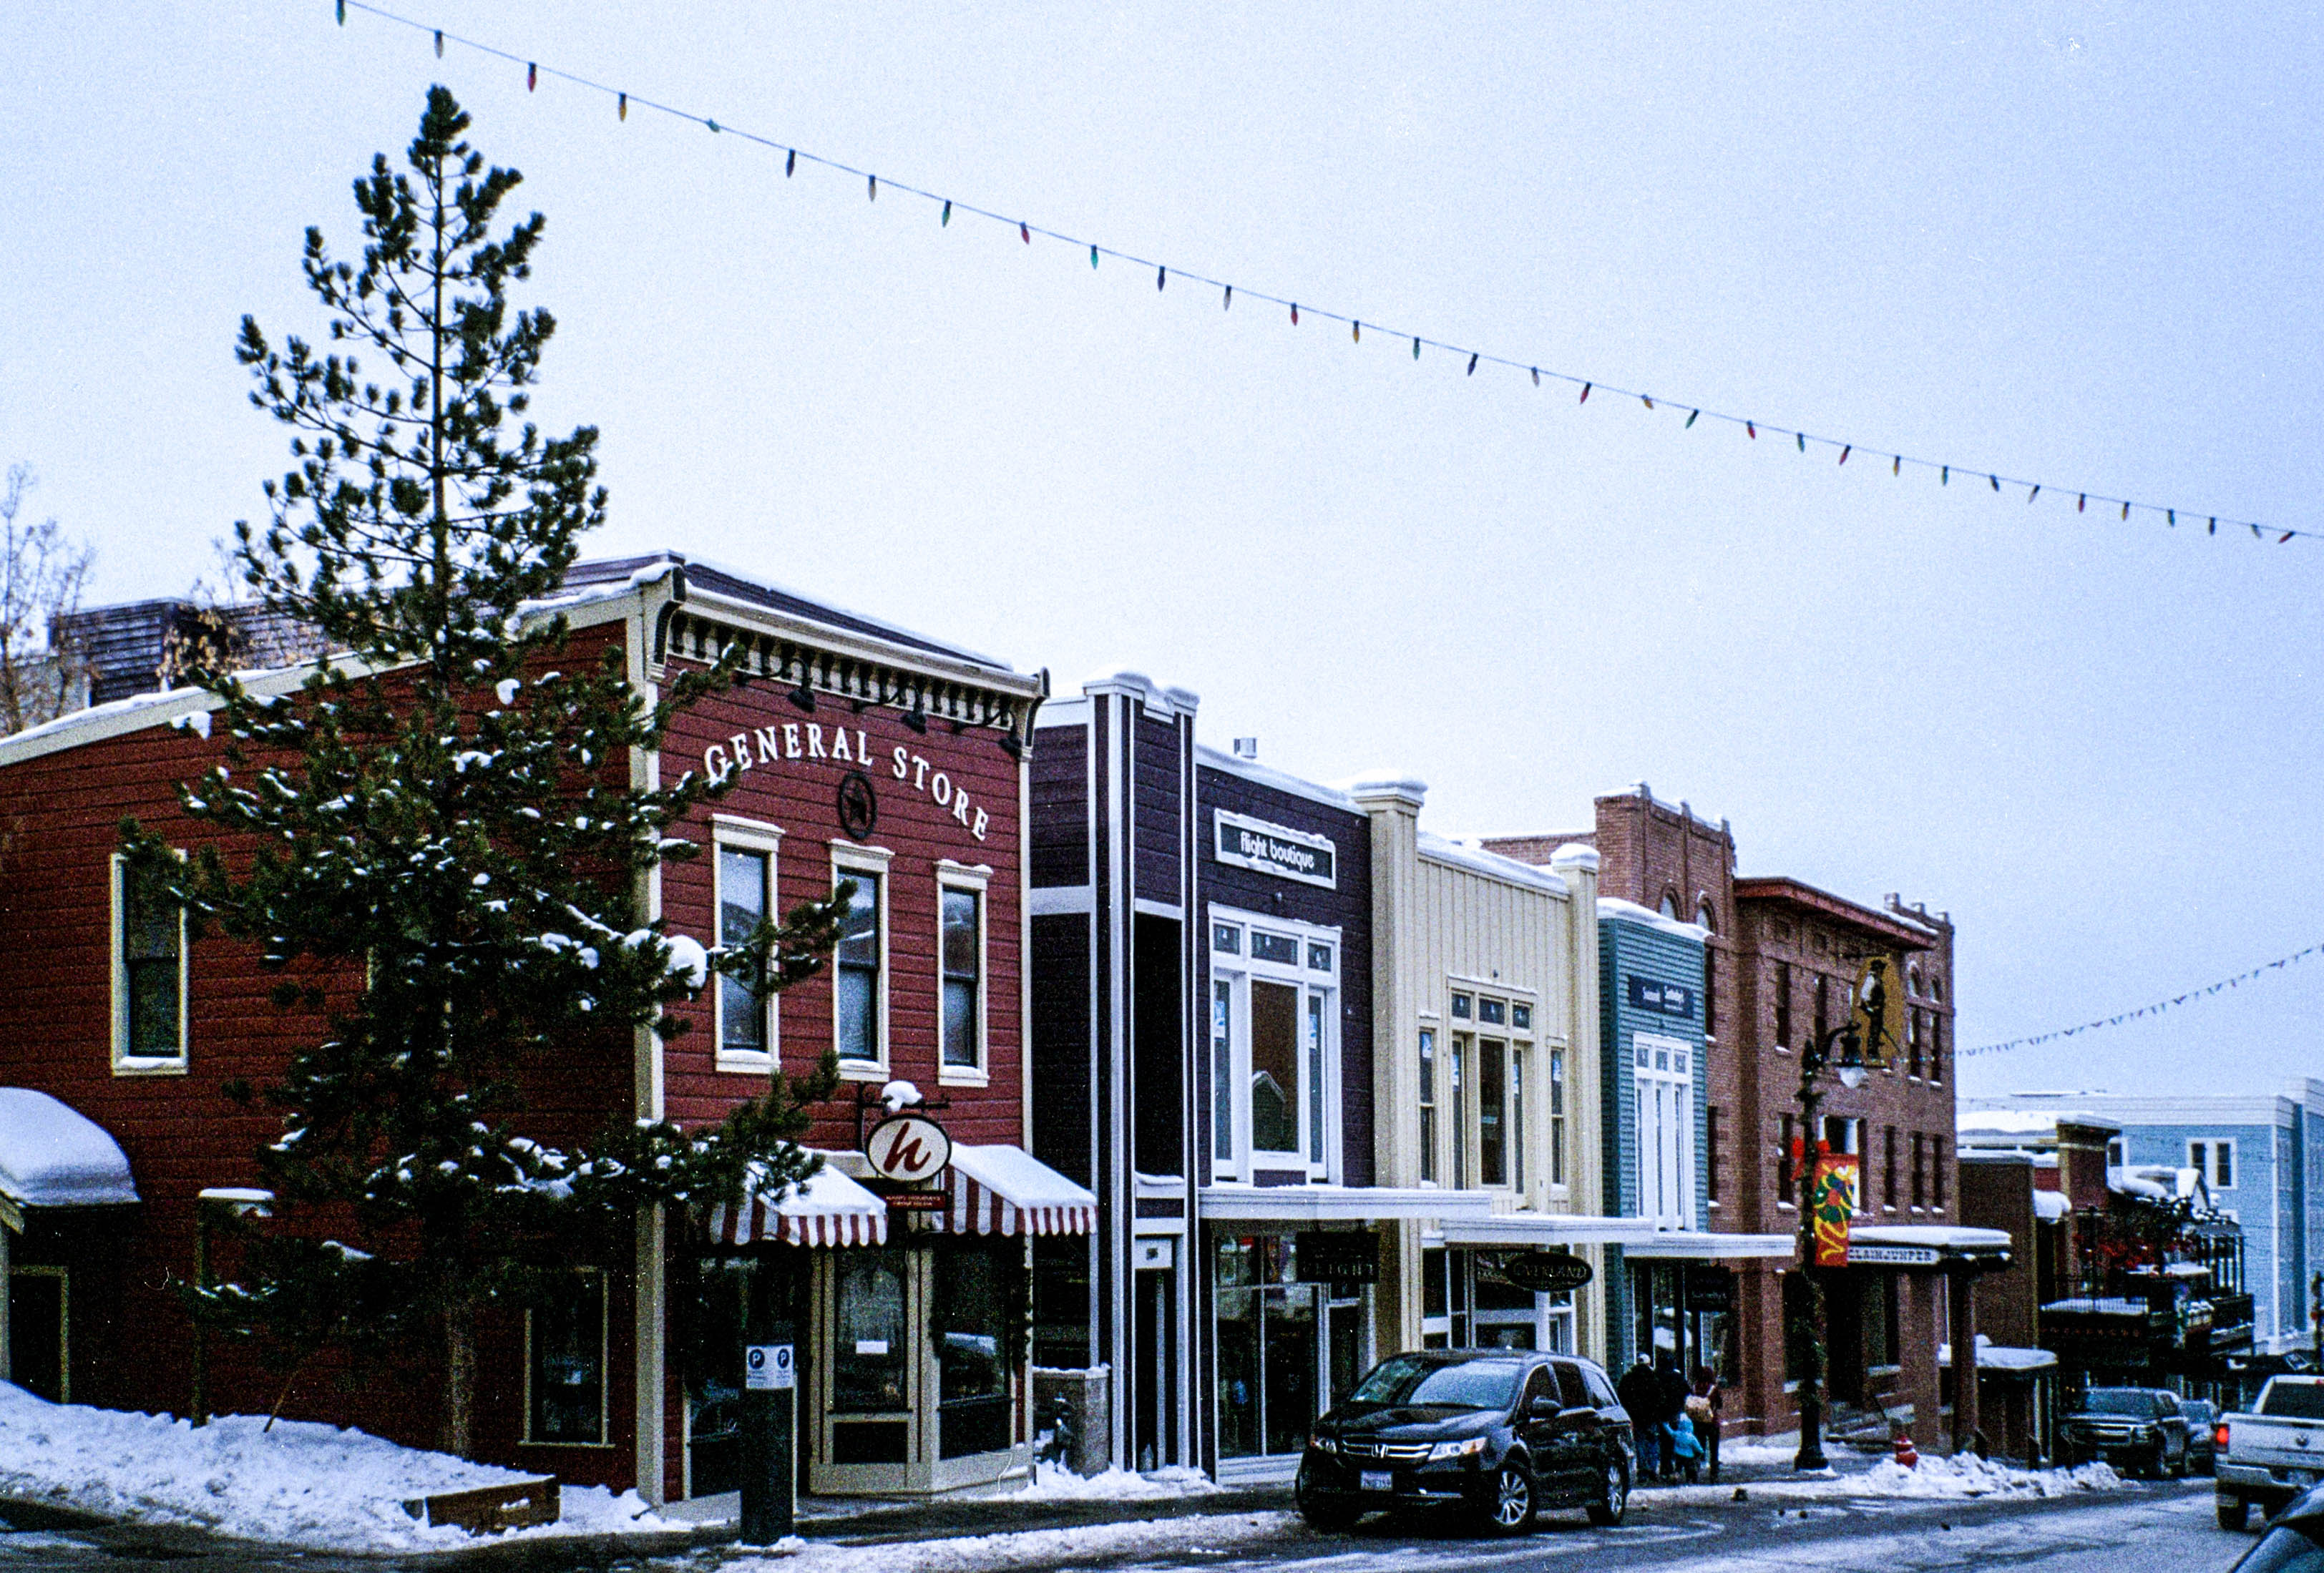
point(1816, 1055)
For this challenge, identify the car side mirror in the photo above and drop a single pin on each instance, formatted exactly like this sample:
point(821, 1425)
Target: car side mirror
point(1544, 1408)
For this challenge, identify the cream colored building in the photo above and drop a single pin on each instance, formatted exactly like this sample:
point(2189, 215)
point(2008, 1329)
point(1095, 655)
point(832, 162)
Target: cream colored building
point(1485, 1076)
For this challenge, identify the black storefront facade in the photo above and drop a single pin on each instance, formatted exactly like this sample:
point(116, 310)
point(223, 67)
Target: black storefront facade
point(1202, 1059)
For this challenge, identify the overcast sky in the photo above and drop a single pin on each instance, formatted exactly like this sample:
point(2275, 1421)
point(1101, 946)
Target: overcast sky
point(2074, 242)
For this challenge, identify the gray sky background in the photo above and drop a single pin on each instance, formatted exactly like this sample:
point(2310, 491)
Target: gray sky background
point(2073, 241)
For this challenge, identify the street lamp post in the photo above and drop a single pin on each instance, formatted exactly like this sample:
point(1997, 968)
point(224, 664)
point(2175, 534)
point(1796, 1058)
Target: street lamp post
point(1815, 1056)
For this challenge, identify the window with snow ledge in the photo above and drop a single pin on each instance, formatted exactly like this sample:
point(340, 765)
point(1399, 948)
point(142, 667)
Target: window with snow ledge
point(960, 930)
point(743, 892)
point(859, 964)
point(565, 1339)
point(149, 977)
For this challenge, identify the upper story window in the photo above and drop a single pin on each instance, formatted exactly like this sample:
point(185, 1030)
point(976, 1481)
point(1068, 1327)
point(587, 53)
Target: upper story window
point(1702, 917)
point(1663, 1082)
point(1783, 1005)
point(1429, 1106)
point(1463, 1008)
point(1274, 1046)
point(743, 889)
point(961, 918)
point(2215, 1161)
point(1521, 1017)
point(1670, 903)
point(859, 965)
point(148, 974)
point(1493, 1012)
point(1557, 1117)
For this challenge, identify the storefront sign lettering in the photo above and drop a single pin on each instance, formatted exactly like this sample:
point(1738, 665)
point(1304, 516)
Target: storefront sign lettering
point(1546, 1272)
point(1337, 1255)
point(1274, 848)
point(907, 1147)
point(807, 740)
point(1891, 1256)
point(1663, 999)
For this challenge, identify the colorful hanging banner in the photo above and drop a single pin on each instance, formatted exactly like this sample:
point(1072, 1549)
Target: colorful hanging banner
point(1834, 1195)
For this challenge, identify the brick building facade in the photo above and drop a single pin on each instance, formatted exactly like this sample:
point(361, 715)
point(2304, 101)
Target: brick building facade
point(1780, 960)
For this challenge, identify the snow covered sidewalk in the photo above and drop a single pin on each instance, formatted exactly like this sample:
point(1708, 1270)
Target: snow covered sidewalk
point(1195, 1534)
point(299, 1485)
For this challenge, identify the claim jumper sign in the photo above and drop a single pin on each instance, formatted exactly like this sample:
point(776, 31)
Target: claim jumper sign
point(1274, 848)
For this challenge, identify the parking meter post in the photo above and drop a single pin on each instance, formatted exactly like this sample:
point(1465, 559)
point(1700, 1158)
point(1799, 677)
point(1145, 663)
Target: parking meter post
point(768, 1417)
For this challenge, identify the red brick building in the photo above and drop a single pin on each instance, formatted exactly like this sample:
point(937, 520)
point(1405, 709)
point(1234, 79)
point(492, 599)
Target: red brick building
point(1781, 960)
point(862, 752)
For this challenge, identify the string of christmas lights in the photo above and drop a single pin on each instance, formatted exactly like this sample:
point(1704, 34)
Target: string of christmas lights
point(2157, 1009)
point(1164, 273)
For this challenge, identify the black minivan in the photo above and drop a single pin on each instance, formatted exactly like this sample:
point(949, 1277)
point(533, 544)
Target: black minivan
point(1497, 1433)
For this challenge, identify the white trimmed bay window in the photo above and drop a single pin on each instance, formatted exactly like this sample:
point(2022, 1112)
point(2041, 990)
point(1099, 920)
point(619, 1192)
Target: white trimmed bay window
point(1275, 1047)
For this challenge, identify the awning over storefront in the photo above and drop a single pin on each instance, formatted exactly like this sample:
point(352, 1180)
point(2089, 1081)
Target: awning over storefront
point(54, 1155)
point(826, 1208)
point(1917, 1245)
point(1004, 1189)
point(1708, 1246)
point(1540, 1230)
point(1234, 1202)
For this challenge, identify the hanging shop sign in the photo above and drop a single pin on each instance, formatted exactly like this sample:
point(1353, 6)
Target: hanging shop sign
point(1337, 1255)
point(1274, 848)
point(1662, 998)
point(1546, 1272)
point(907, 1148)
point(1710, 1288)
point(1833, 1194)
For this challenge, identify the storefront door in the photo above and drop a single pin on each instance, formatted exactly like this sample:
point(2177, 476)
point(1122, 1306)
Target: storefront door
point(1283, 1349)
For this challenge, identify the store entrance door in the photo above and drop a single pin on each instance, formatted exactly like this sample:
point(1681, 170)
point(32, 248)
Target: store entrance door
point(1150, 1441)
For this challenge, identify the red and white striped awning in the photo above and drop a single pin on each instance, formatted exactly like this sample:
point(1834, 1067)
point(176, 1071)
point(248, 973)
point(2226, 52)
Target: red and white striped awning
point(1004, 1189)
point(826, 1208)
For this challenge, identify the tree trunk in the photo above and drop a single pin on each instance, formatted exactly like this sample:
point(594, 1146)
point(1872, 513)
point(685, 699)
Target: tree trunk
point(459, 1381)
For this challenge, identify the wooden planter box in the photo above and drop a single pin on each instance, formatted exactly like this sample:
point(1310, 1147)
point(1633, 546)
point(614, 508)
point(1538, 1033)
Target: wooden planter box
point(490, 1508)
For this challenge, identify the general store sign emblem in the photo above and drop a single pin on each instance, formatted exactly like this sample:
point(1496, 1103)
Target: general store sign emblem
point(907, 1148)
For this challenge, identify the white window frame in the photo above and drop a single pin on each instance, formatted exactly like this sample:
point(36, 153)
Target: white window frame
point(2208, 1163)
point(976, 880)
point(1648, 1044)
point(1237, 970)
point(125, 1063)
point(745, 835)
point(604, 1367)
point(851, 858)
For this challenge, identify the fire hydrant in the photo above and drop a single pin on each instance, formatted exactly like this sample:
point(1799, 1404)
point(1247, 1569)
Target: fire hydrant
point(1906, 1456)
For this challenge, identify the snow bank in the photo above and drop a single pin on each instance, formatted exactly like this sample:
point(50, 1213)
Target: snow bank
point(300, 1484)
point(1052, 1484)
point(1971, 1476)
point(1214, 1532)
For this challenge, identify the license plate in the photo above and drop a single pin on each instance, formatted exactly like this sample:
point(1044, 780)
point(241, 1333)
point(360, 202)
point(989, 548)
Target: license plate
point(1377, 1480)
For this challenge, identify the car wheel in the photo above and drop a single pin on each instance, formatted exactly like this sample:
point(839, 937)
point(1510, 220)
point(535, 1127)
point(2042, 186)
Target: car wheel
point(1509, 1501)
point(1613, 1496)
point(2233, 1513)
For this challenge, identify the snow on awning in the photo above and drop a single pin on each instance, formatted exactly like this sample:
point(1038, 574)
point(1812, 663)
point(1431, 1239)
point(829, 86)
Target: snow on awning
point(1234, 1201)
point(1541, 1231)
point(54, 1155)
point(826, 1208)
point(1004, 1189)
point(1708, 1246)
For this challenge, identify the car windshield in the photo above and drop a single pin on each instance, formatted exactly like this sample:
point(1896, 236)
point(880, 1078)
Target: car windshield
point(2295, 1399)
point(2288, 1547)
point(2134, 1402)
point(1407, 1379)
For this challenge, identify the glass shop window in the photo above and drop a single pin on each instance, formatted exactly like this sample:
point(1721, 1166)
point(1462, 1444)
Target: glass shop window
point(970, 1326)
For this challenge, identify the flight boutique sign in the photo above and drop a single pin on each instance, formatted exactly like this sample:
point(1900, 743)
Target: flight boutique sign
point(796, 739)
point(1276, 850)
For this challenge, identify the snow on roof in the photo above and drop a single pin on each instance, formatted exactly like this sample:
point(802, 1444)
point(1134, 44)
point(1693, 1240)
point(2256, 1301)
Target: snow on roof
point(2016, 1122)
point(54, 1155)
point(1464, 854)
point(1621, 911)
point(1281, 780)
point(2050, 1206)
point(1993, 1356)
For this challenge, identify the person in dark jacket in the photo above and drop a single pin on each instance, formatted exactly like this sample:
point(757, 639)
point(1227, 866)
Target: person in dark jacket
point(1640, 1391)
point(1707, 1408)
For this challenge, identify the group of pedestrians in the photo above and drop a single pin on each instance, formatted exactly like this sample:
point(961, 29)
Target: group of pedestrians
point(1673, 1422)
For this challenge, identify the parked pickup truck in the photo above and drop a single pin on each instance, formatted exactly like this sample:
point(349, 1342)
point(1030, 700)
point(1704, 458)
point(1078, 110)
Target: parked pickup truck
point(2274, 1453)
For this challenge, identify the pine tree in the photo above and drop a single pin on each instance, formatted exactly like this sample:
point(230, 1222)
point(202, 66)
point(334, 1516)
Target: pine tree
point(439, 849)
